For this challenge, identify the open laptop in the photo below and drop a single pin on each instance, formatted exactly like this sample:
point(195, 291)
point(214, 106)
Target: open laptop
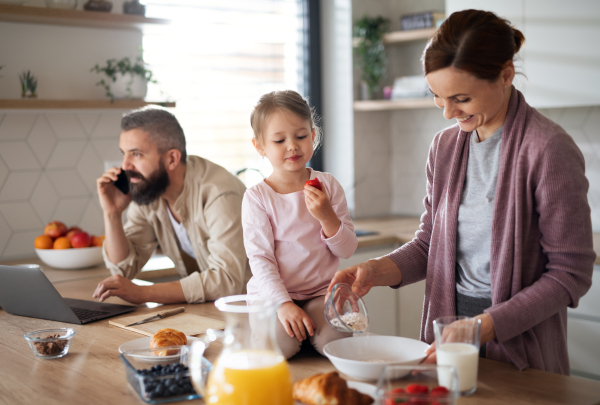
point(28, 292)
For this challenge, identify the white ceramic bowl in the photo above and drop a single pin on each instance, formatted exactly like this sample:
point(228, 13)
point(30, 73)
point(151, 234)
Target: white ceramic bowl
point(75, 258)
point(364, 357)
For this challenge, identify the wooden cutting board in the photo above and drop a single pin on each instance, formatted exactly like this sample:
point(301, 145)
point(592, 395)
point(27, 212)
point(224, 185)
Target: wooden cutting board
point(189, 324)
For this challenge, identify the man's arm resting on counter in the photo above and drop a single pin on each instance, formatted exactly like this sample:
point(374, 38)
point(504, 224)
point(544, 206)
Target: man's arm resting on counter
point(127, 290)
point(115, 243)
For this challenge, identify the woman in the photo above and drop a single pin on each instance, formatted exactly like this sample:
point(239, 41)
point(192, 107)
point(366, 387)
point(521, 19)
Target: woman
point(506, 233)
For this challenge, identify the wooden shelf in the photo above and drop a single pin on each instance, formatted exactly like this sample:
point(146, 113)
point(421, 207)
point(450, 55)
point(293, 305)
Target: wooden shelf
point(406, 36)
point(387, 105)
point(77, 18)
point(35, 104)
point(397, 37)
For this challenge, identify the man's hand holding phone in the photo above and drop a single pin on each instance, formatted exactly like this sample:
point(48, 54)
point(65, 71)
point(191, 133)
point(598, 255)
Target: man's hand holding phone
point(113, 190)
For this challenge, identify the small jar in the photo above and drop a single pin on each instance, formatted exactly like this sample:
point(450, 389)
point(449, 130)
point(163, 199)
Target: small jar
point(134, 7)
point(98, 5)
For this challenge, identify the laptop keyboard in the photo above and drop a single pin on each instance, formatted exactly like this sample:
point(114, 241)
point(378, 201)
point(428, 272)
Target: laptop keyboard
point(84, 314)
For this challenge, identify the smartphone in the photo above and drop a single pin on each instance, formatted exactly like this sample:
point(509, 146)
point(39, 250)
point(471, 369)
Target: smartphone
point(122, 183)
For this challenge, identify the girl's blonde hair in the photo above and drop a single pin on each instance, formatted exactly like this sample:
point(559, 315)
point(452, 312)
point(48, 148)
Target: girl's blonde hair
point(287, 100)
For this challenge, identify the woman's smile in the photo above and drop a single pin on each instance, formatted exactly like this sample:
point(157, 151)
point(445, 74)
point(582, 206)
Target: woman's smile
point(465, 120)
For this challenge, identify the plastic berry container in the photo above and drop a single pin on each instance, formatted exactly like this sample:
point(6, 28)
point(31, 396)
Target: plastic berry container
point(160, 379)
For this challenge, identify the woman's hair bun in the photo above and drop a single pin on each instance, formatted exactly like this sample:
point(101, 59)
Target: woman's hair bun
point(519, 39)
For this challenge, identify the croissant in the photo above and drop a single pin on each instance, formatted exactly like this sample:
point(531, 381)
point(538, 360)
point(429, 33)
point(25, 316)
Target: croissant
point(167, 337)
point(328, 389)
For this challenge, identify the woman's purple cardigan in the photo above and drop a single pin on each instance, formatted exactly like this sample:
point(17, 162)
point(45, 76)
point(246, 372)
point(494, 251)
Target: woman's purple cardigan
point(541, 256)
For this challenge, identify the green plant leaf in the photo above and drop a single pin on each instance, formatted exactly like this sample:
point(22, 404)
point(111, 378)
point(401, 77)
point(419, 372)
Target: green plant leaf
point(370, 52)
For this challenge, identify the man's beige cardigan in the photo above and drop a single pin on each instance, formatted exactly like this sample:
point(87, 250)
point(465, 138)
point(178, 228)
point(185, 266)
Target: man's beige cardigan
point(210, 207)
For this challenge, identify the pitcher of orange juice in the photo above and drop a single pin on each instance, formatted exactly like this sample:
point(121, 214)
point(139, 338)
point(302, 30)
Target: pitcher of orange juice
point(251, 368)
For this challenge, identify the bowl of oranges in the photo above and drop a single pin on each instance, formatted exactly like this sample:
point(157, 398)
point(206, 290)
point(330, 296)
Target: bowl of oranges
point(68, 248)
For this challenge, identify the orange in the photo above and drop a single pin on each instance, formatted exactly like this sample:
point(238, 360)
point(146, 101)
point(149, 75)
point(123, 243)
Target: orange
point(97, 240)
point(62, 243)
point(43, 242)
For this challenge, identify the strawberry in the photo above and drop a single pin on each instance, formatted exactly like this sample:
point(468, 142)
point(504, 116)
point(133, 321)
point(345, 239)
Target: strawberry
point(439, 391)
point(416, 389)
point(314, 183)
point(394, 401)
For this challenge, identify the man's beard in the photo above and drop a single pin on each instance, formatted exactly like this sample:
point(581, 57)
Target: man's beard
point(148, 190)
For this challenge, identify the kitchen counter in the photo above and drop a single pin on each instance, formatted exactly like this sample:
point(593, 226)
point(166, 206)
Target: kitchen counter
point(399, 230)
point(93, 374)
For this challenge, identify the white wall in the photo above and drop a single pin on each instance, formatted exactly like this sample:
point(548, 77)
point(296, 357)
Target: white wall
point(60, 57)
point(561, 55)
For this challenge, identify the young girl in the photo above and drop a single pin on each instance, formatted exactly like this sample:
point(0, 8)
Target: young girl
point(294, 234)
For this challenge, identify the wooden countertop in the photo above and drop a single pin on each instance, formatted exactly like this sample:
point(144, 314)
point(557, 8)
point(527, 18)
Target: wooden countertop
point(399, 230)
point(92, 372)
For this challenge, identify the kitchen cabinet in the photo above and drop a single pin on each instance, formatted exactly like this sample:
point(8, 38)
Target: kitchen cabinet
point(561, 55)
point(394, 312)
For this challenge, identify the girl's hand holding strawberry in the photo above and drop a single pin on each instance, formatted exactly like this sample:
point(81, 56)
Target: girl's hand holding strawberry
point(319, 206)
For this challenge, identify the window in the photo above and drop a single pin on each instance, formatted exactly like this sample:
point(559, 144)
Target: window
point(216, 60)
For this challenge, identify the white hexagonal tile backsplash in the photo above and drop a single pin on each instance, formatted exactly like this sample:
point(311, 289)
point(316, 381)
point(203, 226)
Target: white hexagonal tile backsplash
point(48, 171)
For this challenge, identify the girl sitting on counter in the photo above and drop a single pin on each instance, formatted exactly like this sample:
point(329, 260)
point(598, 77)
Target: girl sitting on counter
point(294, 233)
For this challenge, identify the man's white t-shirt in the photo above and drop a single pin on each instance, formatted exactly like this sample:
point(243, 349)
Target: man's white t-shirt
point(182, 235)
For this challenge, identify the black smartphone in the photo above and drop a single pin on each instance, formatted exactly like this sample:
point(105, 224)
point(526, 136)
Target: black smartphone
point(122, 183)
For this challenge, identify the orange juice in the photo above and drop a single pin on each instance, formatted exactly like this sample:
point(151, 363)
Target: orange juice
point(250, 377)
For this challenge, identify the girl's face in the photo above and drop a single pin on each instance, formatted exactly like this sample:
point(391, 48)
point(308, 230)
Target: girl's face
point(287, 141)
point(475, 103)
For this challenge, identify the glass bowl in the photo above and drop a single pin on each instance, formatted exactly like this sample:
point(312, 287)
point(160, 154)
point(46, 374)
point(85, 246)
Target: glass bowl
point(425, 384)
point(158, 380)
point(50, 343)
point(345, 311)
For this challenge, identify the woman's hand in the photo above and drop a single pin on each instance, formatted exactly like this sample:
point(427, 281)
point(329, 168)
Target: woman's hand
point(488, 333)
point(362, 277)
point(319, 206)
point(295, 321)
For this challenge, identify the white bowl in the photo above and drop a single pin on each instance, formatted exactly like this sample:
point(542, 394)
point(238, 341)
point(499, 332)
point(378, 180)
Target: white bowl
point(74, 258)
point(364, 357)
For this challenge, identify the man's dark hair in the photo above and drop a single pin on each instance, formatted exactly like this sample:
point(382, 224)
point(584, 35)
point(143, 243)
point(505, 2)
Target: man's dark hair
point(163, 127)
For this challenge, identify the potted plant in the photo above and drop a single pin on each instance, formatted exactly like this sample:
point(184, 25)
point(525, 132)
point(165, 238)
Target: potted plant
point(124, 79)
point(370, 51)
point(28, 84)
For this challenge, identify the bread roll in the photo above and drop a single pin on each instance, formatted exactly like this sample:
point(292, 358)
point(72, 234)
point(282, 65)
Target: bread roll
point(328, 389)
point(167, 337)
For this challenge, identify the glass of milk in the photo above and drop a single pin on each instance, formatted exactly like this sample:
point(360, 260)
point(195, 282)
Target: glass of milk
point(457, 345)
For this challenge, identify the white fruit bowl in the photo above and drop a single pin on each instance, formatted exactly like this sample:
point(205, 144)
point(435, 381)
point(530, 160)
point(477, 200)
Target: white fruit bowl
point(74, 258)
point(364, 357)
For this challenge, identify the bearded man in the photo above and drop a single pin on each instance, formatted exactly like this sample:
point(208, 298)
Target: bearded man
point(188, 205)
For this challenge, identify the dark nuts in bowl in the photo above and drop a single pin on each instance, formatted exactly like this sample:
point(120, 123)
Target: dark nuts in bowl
point(50, 343)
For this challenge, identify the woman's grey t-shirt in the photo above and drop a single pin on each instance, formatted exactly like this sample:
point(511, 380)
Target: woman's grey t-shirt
point(474, 235)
